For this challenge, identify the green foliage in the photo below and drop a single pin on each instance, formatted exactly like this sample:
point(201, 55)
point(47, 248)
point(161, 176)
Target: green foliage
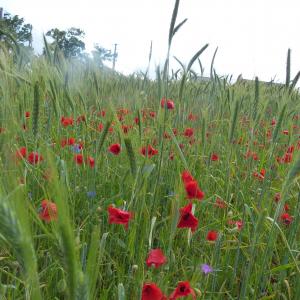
point(68, 41)
point(15, 26)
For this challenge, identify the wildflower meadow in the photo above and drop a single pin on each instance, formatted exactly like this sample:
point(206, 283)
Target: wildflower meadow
point(126, 187)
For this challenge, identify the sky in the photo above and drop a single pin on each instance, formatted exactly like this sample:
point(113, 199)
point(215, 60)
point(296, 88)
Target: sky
point(252, 36)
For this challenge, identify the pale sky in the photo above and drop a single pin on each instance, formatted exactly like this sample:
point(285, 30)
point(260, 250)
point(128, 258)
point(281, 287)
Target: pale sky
point(252, 35)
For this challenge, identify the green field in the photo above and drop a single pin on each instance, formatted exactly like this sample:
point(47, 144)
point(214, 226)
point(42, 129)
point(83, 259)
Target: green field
point(99, 169)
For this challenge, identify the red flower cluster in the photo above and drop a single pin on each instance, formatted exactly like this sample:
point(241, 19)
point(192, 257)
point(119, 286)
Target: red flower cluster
point(33, 157)
point(261, 175)
point(152, 292)
point(67, 142)
point(251, 154)
point(288, 155)
point(167, 102)
point(79, 160)
point(149, 151)
point(65, 121)
point(191, 186)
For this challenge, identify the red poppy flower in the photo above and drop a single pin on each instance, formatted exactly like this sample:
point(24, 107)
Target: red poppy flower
point(239, 223)
point(27, 114)
point(118, 216)
point(48, 211)
point(277, 197)
point(69, 141)
point(286, 207)
point(287, 158)
point(148, 151)
point(260, 175)
point(168, 102)
point(91, 161)
point(254, 156)
point(152, 114)
point(286, 218)
point(102, 113)
point(126, 128)
point(66, 121)
point(212, 235)
point(152, 292)
point(192, 117)
point(286, 132)
point(115, 149)
point(21, 153)
point(193, 191)
point(183, 289)
point(290, 149)
point(34, 158)
point(187, 219)
point(156, 258)
point(78, 159)
point(189, 132)
point(214, 157)
point(186, 176)
point(100, 127)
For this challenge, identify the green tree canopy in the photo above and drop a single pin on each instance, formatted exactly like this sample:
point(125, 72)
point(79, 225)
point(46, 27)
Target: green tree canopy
point(14, 28)
point(68, 41)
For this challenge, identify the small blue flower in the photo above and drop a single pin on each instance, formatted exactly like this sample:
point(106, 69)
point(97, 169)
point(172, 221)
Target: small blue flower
point(206, 269)
point(91, 194)
point(76, 148)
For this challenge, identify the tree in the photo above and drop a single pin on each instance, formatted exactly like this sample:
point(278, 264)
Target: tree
point(101, 54)
point(14, 28)
point(69, 41)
